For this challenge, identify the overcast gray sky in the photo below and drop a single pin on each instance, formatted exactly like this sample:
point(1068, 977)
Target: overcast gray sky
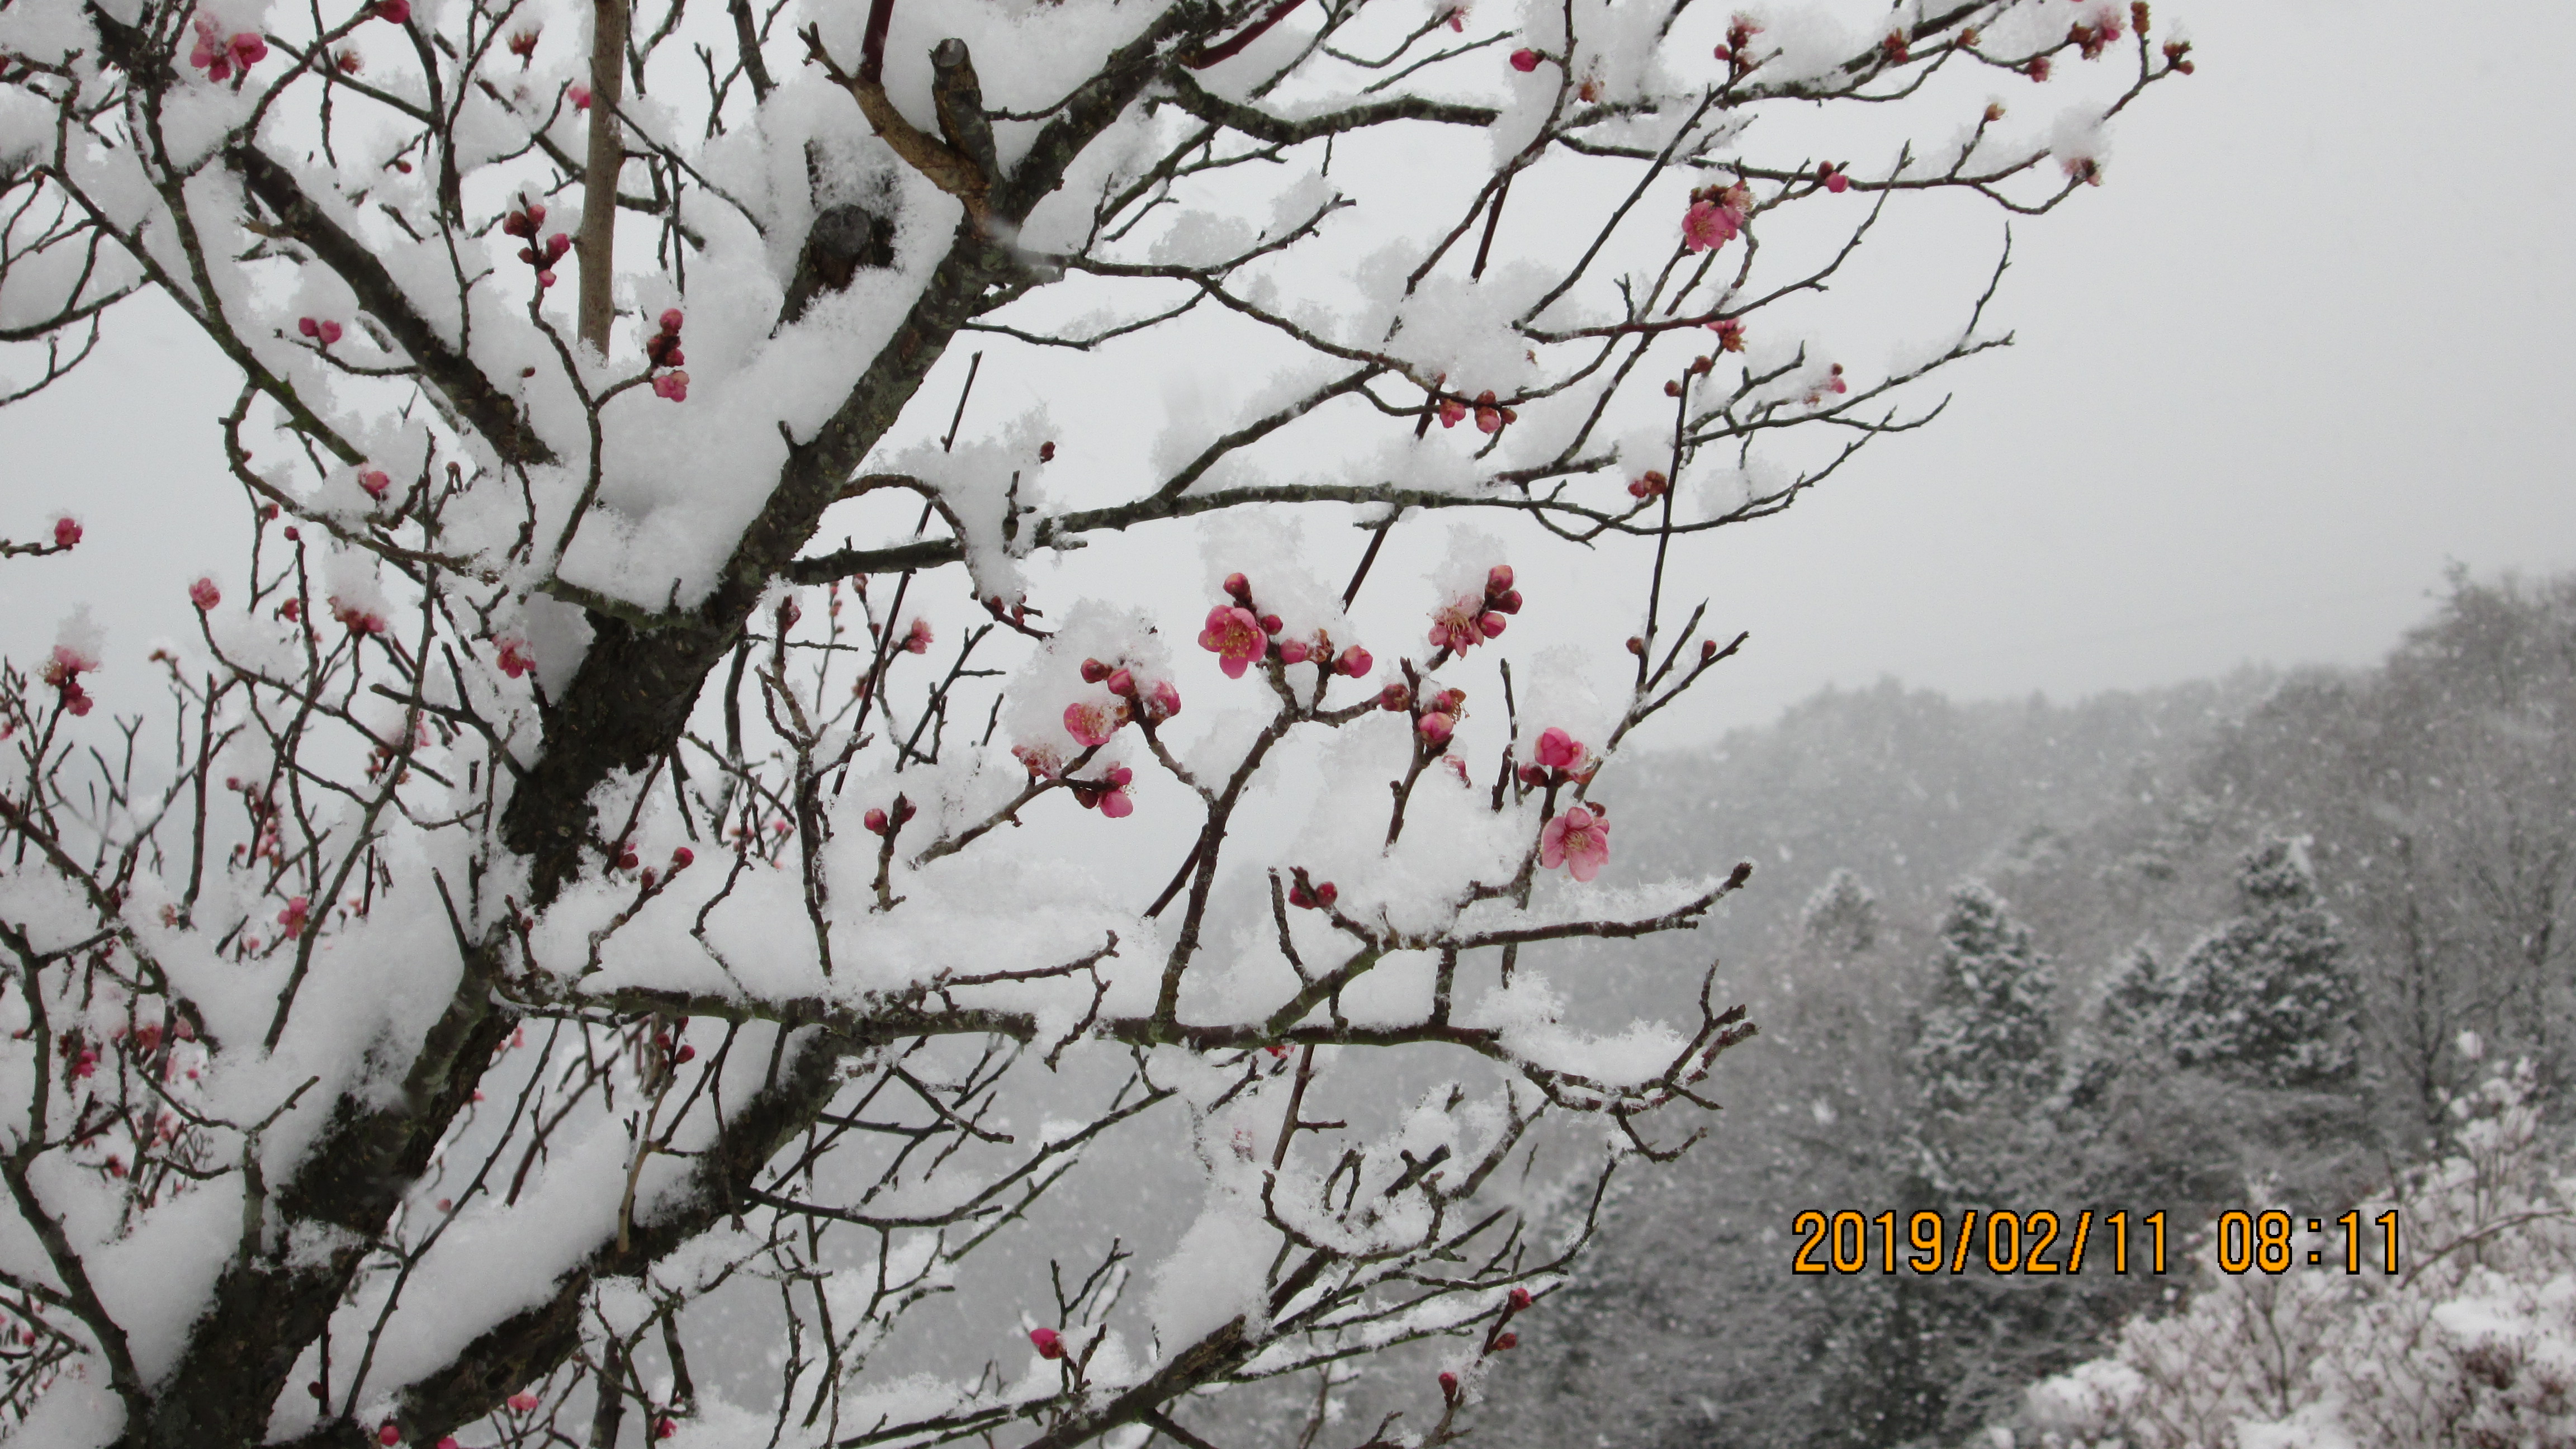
point(2296, 354)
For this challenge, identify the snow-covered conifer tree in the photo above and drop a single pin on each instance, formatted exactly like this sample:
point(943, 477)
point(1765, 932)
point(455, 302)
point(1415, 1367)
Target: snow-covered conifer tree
point(2268, 997)
point(1987, 1034)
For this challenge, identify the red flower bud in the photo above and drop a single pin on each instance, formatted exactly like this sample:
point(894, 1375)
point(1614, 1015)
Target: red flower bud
point(1448, 1384)
point(1239, 587)
point(682, 859)
point(1049, 1343)
point(1270, 624)
point(1355, 662)
point(1492, 625)
point(626, 860)
point(1293, 651)
point(1509, 603)
point(1520, 1299)
point(1636, 645)
point(1498, 580)
point(389, 1434)
point(1525, 61)
point(1301, 898)
point(1122, 683)
point(874, 821)
point(1325, 895)
point(1093, 671)
point(1507, 1342)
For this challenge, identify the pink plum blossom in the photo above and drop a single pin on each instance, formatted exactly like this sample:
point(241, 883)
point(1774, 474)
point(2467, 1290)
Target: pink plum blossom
point(524, 1403)
point(917, 639)
point(1452, 412)
point(1579, 840)
point(1558, 750)
point(298, 911)
point(1459, 626)
point(1092, 721)
point(67, 531)
point(1707, 225)
point(671, 385)
point(580, 96)
point(204, 595)
point(1234, 635)
point(515, 659)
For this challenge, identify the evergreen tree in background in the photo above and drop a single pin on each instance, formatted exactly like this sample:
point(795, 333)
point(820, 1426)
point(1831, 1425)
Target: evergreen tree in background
point(1986, 1033)
point(2267, 998)
point(1840, 920)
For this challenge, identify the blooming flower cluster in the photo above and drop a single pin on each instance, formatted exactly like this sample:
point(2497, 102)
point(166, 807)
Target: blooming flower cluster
point(63, 671)
point(1716, 216)
point(1467, 622)
point(1108, 794)
point(523, 222)
point(663, 351)
point(220, 56)
point(1240, 638)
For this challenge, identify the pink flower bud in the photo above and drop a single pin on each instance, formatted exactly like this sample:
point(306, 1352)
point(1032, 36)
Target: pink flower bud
point(1394, 697)
point(547, 279)
point(67, 531)
point(1293, 651)
point(1520, 1299)
point(1509, 603)
point(389, 1434)
point(1498, 580)
point(397, 11)
point(1355, 662)
point(1325, 895)
point(522, 1403)
point(1492, 625)
point(918, 639)
point(671, 321)
point(1301, 898)
point(1048, 1343)
point(204, 594)
point(1162, 701)
point(1435, 728)
point(308, 326)
point(1507, 1342)
point(1093, 671)
point(1270, 624)
point(626, 860)
point(875, 821)
point(1525, 61)
point(1239, 588)
point(1121, 683)
point(682, 859)
point(1448, 1384)
point(376, 482)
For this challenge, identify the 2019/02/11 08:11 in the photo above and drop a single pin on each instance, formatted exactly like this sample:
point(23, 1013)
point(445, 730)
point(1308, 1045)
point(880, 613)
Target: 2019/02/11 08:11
point(2011, 1242)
